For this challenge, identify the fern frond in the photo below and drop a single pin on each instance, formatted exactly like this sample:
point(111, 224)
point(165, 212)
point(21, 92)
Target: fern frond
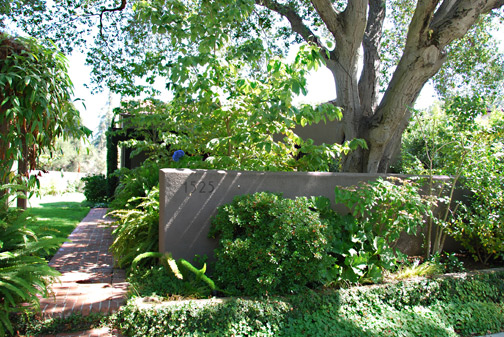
point(4, 320)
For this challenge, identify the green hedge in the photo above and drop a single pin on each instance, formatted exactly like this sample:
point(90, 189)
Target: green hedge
point(269, 244)
point(431, 307)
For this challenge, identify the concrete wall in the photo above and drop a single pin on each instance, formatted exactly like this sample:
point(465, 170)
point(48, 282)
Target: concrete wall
point(189, 199)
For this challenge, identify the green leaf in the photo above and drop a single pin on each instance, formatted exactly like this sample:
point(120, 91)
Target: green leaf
point(295, 87)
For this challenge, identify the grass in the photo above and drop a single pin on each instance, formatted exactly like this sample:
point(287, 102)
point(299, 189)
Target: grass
point(57, 219)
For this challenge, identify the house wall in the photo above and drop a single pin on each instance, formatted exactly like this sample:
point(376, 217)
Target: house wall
point(189, 199)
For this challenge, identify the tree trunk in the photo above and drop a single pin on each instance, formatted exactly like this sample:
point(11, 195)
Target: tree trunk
point(22, 201)
point(23, 169)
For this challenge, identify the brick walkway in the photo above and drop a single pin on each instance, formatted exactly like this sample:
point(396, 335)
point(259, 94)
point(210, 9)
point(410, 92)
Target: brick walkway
point(88, 282)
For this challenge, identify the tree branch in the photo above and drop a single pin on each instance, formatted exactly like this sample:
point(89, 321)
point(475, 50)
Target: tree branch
point(105, 10)
point(330, 16)
point(454, 18)
point(368, 83)
point(418, 30)
point(423, 56)
point(294, 19)
point(354, 17)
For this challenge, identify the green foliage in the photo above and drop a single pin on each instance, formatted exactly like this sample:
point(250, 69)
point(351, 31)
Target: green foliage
point(460, 142)
point(253, 30)
point(466, 306)
point(23, 273)
point(35, 102)
point(219, 59)
point(283, 245)
point(95, 188)
point(57, 220)
point(160, 281)
point(72, 155)
point(180, 268)
point(480, 223)
point(386, 207)
point(32, 325)
point(475, 63)
point(135, 183)
point(383, 209)
point(175, 278)
point(360, 255)
point(269, 245)
point(233, 317)
point(239, 121)
point(436, 264)
point(137, 229)
point(449, 262)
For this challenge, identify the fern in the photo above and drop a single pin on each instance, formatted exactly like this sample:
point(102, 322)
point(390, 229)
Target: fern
point(137, 229)
point(23, 274)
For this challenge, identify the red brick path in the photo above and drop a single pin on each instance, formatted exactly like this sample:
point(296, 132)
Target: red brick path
point(88, 282)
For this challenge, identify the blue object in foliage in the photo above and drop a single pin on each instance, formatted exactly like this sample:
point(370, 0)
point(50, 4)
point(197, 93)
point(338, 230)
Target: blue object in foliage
point(178, 154)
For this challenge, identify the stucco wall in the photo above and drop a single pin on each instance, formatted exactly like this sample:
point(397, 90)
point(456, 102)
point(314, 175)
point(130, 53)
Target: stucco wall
point(189, 199)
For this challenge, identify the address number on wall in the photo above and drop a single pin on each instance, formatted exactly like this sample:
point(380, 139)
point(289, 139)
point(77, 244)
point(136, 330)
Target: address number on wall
point(199, 187)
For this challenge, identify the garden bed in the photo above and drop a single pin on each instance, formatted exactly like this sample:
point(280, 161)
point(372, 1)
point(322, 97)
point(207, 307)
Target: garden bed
point(461, 304)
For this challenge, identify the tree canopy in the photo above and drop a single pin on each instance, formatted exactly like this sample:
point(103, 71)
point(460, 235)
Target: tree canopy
point(380, 53)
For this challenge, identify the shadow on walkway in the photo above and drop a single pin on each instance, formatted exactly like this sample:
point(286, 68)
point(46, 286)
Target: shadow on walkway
point(88, 282)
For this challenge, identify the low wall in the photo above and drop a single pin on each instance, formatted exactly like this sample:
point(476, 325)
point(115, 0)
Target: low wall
point(189, 199)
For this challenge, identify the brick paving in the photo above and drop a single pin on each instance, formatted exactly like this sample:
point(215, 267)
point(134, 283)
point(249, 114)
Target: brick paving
point(88, 282)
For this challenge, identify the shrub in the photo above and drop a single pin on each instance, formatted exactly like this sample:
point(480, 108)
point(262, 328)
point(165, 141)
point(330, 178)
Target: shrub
point(388, 207)
point(23, 273)
point(383, 209)
point(235, 317)
point(457, 142)
point(95, 188)
point(137, 229)
point(360, 256)
point(268, 244)
point(480, 223)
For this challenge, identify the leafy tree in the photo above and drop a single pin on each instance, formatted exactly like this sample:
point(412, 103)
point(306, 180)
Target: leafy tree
point(35, 106)
point(140, 39)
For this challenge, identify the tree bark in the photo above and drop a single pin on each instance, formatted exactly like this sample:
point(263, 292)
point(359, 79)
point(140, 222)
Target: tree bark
point(23, 169)
point(22, 201)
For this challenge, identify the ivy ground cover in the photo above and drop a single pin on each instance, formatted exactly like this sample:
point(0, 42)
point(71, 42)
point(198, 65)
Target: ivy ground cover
point(464, 306)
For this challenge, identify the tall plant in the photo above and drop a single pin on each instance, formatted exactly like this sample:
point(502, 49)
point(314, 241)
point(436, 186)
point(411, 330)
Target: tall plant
point(35, 104)
point(459, 143)
point(441, 192)
point(480, 227)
